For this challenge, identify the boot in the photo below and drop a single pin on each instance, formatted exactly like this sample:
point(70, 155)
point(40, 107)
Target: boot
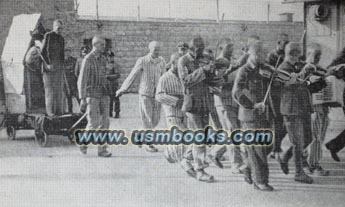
point(202, 176)
point(303, 178)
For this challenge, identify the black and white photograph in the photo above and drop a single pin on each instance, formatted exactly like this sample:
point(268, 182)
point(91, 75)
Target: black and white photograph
point(172, 103)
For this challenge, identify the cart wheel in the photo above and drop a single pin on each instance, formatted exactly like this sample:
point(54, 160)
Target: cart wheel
point(70, 138)
point(41, 138)
point(11, 132)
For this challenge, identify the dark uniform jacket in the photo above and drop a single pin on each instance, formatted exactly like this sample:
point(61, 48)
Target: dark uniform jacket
point(196, 90)
point(53, 49)
point(113, 75)
point(249, 88)
point(296, 98)
point(70, 76)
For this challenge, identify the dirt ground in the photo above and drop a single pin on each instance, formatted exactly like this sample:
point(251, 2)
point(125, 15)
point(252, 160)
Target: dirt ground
point(61, 176)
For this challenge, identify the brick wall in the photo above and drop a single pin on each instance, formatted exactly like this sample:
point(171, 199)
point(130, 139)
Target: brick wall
point(130, 39)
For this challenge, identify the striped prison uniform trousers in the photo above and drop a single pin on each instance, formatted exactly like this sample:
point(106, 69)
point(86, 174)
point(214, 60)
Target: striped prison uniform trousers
point(149, 70)
point(320, 123)
point(170, 94)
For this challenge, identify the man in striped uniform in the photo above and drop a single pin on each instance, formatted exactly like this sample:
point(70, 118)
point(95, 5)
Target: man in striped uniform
point(319, 118)
point(196, 104)
point(93, 91)
point(227, 108)
point(170, 95)
point(149, 68)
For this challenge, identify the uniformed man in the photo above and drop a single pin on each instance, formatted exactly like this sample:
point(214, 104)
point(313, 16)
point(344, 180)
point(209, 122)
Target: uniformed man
point(72, 89)
point(113, 75)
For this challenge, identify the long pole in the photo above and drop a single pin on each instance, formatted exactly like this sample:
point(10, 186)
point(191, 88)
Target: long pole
point(217, 1)
point(271, 80)
point(97, 16)
point(268, 11)
point(219, 37)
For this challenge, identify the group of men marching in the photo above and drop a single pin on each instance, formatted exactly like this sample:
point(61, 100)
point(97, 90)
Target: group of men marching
point(198, 87)
point(234, 94)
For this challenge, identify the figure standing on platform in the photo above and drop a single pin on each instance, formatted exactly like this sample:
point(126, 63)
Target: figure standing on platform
point(33, 81)
point(53, 76)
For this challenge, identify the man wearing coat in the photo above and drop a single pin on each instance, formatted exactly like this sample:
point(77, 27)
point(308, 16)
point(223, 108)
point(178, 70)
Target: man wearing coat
point(53, 76)
point(93, 91)
point(196, 105)
point(249, 91)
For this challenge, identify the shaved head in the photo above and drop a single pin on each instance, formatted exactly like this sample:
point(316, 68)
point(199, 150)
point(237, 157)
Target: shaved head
point(58, 26)
point(154, 44)
point(98, 44)
point(154, 48)
point(97, 39)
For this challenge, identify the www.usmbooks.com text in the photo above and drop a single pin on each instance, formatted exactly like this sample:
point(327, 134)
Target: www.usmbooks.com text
point(175, 136)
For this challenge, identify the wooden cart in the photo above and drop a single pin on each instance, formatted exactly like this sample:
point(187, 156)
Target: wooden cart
point(15, 114)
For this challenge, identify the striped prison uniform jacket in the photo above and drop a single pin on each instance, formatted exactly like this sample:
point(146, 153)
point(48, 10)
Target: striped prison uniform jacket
point(170, 94)
point(149, 70)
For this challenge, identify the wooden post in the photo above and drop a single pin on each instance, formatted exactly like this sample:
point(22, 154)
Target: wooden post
point(217, 1)
point(97, 16)
point(138, 17)
point(268, 11)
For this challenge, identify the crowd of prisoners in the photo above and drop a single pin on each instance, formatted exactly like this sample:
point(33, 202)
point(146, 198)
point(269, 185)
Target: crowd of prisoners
point(199, 87)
